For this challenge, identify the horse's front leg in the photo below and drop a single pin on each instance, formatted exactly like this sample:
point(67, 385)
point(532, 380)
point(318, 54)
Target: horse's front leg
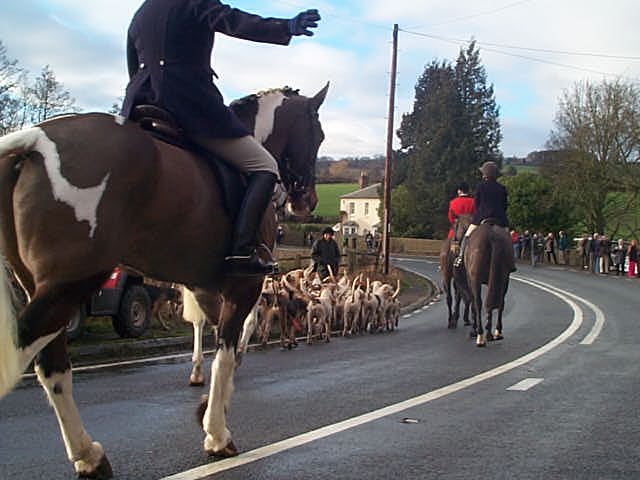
point(498, 333)
point(488, 325)
point(248, 327)
point(53, 370)
point(237, 305)
point(481, 340)
point(196, 378)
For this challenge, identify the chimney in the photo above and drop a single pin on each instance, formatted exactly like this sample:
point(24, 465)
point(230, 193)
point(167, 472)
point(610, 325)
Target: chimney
point(364, 179)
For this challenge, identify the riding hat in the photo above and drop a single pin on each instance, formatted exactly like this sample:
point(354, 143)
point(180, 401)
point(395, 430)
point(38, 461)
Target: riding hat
point(489, 169)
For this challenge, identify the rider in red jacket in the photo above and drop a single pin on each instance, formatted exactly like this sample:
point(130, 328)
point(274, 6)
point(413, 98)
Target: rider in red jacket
point(461, 205)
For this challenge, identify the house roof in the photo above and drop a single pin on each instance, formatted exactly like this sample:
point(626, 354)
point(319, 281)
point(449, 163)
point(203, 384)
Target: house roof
point(368, 192)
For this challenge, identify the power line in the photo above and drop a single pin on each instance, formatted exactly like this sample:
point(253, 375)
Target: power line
point(529, 49)
point(480, 14)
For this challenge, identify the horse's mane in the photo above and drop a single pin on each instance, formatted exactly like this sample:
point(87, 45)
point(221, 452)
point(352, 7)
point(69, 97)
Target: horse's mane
point(253, 98)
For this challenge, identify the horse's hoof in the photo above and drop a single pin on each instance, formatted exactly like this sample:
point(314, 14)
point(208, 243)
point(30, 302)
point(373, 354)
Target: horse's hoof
point(229, 451)
point(490, 337)
point(102, 471)
point(481, 341)
point(196, 381)
point(498, 335)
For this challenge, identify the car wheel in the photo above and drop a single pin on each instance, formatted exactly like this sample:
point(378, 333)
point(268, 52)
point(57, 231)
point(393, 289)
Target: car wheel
point(75, 326)
point(134, 313)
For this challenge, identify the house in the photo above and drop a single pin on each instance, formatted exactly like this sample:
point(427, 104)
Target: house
point(359, 209)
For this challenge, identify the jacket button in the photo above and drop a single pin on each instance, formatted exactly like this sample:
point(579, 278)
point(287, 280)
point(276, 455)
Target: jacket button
point(161, 63)
point(142, 65)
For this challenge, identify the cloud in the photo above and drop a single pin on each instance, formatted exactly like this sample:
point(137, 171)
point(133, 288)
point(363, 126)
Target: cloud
point(84, 43)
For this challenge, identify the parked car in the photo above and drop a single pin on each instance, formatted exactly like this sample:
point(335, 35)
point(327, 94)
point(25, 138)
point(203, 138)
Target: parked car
point(124, 298)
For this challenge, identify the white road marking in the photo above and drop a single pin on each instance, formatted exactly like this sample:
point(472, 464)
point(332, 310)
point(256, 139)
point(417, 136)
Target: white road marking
point(293, 442)
point(525, 384)
point(600, 317)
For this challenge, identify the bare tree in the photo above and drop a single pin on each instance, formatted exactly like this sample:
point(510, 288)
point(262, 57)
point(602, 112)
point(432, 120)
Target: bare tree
point(47, 97)
point(12, 77)
point(598, 129)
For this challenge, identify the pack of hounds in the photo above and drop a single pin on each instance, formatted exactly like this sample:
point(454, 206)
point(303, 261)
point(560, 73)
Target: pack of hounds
point(302, 303)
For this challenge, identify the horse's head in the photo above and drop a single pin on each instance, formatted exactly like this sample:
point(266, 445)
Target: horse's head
point(287, 124)
point(460, 226)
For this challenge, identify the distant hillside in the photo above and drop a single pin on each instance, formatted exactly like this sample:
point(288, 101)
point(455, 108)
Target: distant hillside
point(347, 170)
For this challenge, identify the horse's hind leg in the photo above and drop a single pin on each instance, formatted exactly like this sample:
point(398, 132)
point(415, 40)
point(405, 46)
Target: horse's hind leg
point(54, 373)
point(489, 324)
point(53, 369)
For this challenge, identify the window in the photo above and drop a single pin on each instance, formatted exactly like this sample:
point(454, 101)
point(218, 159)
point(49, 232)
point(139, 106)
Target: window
point(352, 208)
point(366, 208)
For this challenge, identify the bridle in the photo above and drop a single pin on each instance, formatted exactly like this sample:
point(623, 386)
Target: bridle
point(298, 183)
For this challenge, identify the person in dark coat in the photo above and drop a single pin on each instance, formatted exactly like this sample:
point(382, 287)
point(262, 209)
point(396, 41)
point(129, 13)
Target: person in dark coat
point(169, 48)
point(325, 252)
point(490, 202)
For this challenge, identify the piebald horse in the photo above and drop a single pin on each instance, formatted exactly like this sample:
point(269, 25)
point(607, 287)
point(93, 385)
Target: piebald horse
point(81, 194)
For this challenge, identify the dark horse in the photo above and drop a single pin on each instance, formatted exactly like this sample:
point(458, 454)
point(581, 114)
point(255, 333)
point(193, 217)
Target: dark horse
point(455, 276)
point(81, 194)
point(488, 261)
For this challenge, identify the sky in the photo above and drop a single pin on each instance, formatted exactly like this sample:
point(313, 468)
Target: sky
point(532, 51)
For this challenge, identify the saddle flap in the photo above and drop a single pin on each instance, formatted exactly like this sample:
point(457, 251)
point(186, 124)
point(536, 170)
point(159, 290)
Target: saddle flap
point(164, 127)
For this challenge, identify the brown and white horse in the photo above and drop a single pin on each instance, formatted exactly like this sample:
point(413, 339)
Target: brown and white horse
point(81, 194)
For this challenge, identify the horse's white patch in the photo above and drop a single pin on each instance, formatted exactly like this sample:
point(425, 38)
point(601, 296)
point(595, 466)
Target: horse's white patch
point(214, 423)
point(84, 201)
point(120, 120)
point(265, 117)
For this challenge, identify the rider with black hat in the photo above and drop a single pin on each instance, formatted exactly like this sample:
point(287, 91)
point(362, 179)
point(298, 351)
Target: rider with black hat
point(490, 202)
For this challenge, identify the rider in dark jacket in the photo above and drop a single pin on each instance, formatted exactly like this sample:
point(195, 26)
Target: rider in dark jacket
point(491, 203)
point(169, 48)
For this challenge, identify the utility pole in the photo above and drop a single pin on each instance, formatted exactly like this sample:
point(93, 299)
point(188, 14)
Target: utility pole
point(386, 240)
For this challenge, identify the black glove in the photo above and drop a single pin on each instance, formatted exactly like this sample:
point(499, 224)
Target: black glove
point(300, 24)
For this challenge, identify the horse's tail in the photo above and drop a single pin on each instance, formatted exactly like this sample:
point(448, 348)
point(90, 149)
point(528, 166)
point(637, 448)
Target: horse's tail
point(10, 369)
point(497, 267)
point(11, 148)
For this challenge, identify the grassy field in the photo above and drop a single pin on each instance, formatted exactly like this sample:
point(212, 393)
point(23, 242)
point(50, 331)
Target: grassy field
point(329, 197)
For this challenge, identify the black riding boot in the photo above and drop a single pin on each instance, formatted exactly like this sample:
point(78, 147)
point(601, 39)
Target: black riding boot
point(244, 259)
point(459, 259)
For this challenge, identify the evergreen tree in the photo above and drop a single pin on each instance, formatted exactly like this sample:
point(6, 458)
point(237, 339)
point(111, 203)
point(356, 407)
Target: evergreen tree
point(452, 130)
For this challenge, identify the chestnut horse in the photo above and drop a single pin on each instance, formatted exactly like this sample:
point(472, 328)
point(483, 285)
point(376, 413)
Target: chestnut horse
point(488, 260)
point(455, 277)
point(81, 194)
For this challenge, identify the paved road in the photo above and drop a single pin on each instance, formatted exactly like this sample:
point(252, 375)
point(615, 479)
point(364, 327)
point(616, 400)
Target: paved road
point(572, 414)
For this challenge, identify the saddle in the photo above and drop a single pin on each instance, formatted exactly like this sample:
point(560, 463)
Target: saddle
point(490, 221)
point(161, 125)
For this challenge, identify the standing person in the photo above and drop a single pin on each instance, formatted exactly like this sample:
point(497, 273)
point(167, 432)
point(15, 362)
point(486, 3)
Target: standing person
point(563, 245)
point(279, 235)
point(462, 204)
point(325, 252)
point(515, 241)
point(526, 245)
point(593, 253)
point(490, 201)
point(550, 248)
point(169, 48)
point(605, 255)
point(618, 257)
point(632, 254)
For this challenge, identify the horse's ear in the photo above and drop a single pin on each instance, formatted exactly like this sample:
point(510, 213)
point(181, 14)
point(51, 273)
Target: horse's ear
point(317, 100)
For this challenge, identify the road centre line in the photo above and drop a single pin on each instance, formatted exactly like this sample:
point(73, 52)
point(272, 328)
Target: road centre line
point(599, 320)
point(302, 439)
point(525, 384)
